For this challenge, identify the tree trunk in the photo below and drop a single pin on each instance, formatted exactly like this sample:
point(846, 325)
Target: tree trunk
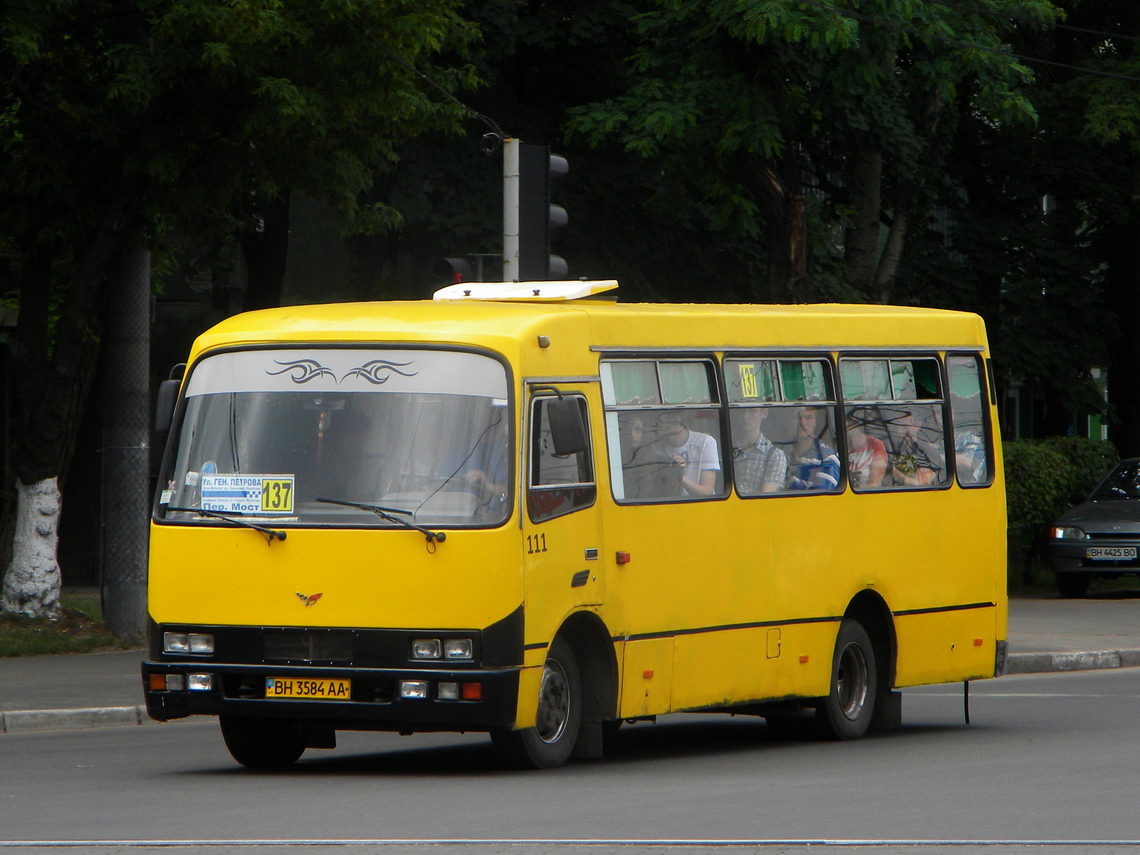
point(266, 251)
point(1124, 368)
point(777, 186)
point(888, 270)
point(53, 377)
point(126, 448)
point(861, 242)
point(32, 583)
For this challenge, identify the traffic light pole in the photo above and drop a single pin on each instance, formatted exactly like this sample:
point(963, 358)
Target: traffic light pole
point(510, 210)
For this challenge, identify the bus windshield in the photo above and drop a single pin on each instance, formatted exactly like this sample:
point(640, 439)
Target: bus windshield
point(268, 434)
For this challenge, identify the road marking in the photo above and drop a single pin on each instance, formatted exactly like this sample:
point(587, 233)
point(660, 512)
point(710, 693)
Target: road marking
point(976, 695)
point(561, 842)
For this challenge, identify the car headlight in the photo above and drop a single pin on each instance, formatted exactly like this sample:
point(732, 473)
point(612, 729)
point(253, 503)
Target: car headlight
point(1067, 532)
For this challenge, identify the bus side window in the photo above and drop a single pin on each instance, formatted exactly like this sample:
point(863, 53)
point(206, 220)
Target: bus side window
point(665, 429)
point(972, 453)
point(557, 483)
point(895, 431)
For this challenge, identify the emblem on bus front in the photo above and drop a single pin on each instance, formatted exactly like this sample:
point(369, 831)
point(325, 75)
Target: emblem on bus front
point(308, 601)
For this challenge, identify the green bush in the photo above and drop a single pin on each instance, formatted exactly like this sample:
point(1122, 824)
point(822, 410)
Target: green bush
point(1042, 478)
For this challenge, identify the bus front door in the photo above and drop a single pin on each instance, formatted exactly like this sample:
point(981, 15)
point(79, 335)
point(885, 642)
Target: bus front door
point(562, 533)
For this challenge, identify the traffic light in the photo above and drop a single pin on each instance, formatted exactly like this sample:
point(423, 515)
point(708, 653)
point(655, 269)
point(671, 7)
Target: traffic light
point(454, 270)
point(537, 216)
point(478, 267)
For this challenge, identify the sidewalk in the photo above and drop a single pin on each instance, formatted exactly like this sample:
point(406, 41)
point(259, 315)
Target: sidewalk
point(104, 689)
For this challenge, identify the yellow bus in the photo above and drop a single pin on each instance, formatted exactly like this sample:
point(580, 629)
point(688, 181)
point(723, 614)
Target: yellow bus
point(531, 510)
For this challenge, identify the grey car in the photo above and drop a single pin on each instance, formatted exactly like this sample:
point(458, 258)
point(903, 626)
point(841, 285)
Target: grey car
point(1100, 537)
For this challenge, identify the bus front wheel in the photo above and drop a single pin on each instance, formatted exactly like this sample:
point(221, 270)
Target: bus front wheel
point(847, 710)
point(551, 740)
point(264, 743)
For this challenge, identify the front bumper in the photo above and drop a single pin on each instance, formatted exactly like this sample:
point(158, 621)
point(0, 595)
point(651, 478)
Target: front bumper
point(239, 690)
point(1065, 556)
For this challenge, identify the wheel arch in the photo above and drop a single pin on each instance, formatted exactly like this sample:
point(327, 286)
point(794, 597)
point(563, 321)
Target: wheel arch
point(585, 632)
point(870, 609)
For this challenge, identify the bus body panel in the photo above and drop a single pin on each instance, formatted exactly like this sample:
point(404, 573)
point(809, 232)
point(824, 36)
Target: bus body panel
point(354, 578)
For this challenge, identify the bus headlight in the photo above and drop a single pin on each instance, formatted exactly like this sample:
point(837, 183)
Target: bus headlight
point(425, 648)
point(413, 689)
point(200, 682)
point(457, 648)
point(188, 642)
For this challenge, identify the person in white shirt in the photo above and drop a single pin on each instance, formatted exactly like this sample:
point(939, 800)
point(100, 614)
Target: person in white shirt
point(694, 453)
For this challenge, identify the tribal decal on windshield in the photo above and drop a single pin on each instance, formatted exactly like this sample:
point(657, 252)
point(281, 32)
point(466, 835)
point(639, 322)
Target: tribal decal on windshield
point(376, 371)
point(302, 370)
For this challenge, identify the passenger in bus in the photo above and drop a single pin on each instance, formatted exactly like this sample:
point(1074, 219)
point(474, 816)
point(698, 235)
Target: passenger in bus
point(914, 462)
point(970, 456)
point(693, 454)
point(760, 467)
point(485, 472)
point(969, 444)
point(867, 460)
point(636, 463)
point(815, 465)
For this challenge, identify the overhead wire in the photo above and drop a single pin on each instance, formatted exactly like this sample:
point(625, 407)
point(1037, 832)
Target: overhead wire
point(959, 7)
point(966, 45)
point(489, 146)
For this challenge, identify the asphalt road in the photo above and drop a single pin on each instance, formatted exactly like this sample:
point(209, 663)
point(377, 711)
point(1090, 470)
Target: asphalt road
point(1048, 761)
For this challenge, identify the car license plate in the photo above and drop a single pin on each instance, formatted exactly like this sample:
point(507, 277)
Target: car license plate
point(294, 688)
point(1110, 553)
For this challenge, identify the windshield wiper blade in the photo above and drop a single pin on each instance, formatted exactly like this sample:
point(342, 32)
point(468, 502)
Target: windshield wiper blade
point(271, 534)
point(390, 515)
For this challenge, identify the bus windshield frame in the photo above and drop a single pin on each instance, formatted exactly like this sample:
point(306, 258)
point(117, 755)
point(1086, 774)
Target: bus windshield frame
point(267, 433)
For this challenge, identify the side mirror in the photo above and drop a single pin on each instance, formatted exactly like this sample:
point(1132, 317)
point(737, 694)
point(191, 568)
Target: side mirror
point(167, 398)
point(567, 429)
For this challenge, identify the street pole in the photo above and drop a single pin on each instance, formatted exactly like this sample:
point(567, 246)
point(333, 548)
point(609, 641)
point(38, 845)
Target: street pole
point(510, 210)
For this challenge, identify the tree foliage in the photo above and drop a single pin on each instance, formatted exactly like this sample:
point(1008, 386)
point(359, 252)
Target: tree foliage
point(781, 110)
point(1043, 478)
point(156, 122)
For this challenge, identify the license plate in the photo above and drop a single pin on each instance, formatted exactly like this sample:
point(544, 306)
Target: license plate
point(295, 688)
point(1110, 553)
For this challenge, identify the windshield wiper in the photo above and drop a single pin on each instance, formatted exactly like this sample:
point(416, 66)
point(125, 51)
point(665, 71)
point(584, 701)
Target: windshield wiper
point(390, 515)
point(231, 517)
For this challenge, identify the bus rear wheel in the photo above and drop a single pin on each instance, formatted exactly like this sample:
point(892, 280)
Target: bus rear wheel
point(551, 740)
point(264, 743)
point(847, 710)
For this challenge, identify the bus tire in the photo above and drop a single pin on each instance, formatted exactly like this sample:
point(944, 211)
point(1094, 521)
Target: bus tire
point(264, 743)
point(847, 710)
point(550, 742)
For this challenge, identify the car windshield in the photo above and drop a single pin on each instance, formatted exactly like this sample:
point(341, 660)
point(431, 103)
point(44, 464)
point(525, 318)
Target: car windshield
point(1123, 482)
point(268, 434)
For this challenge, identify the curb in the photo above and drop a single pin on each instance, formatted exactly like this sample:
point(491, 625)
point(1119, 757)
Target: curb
point(1039, 663)
point(31, 721)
